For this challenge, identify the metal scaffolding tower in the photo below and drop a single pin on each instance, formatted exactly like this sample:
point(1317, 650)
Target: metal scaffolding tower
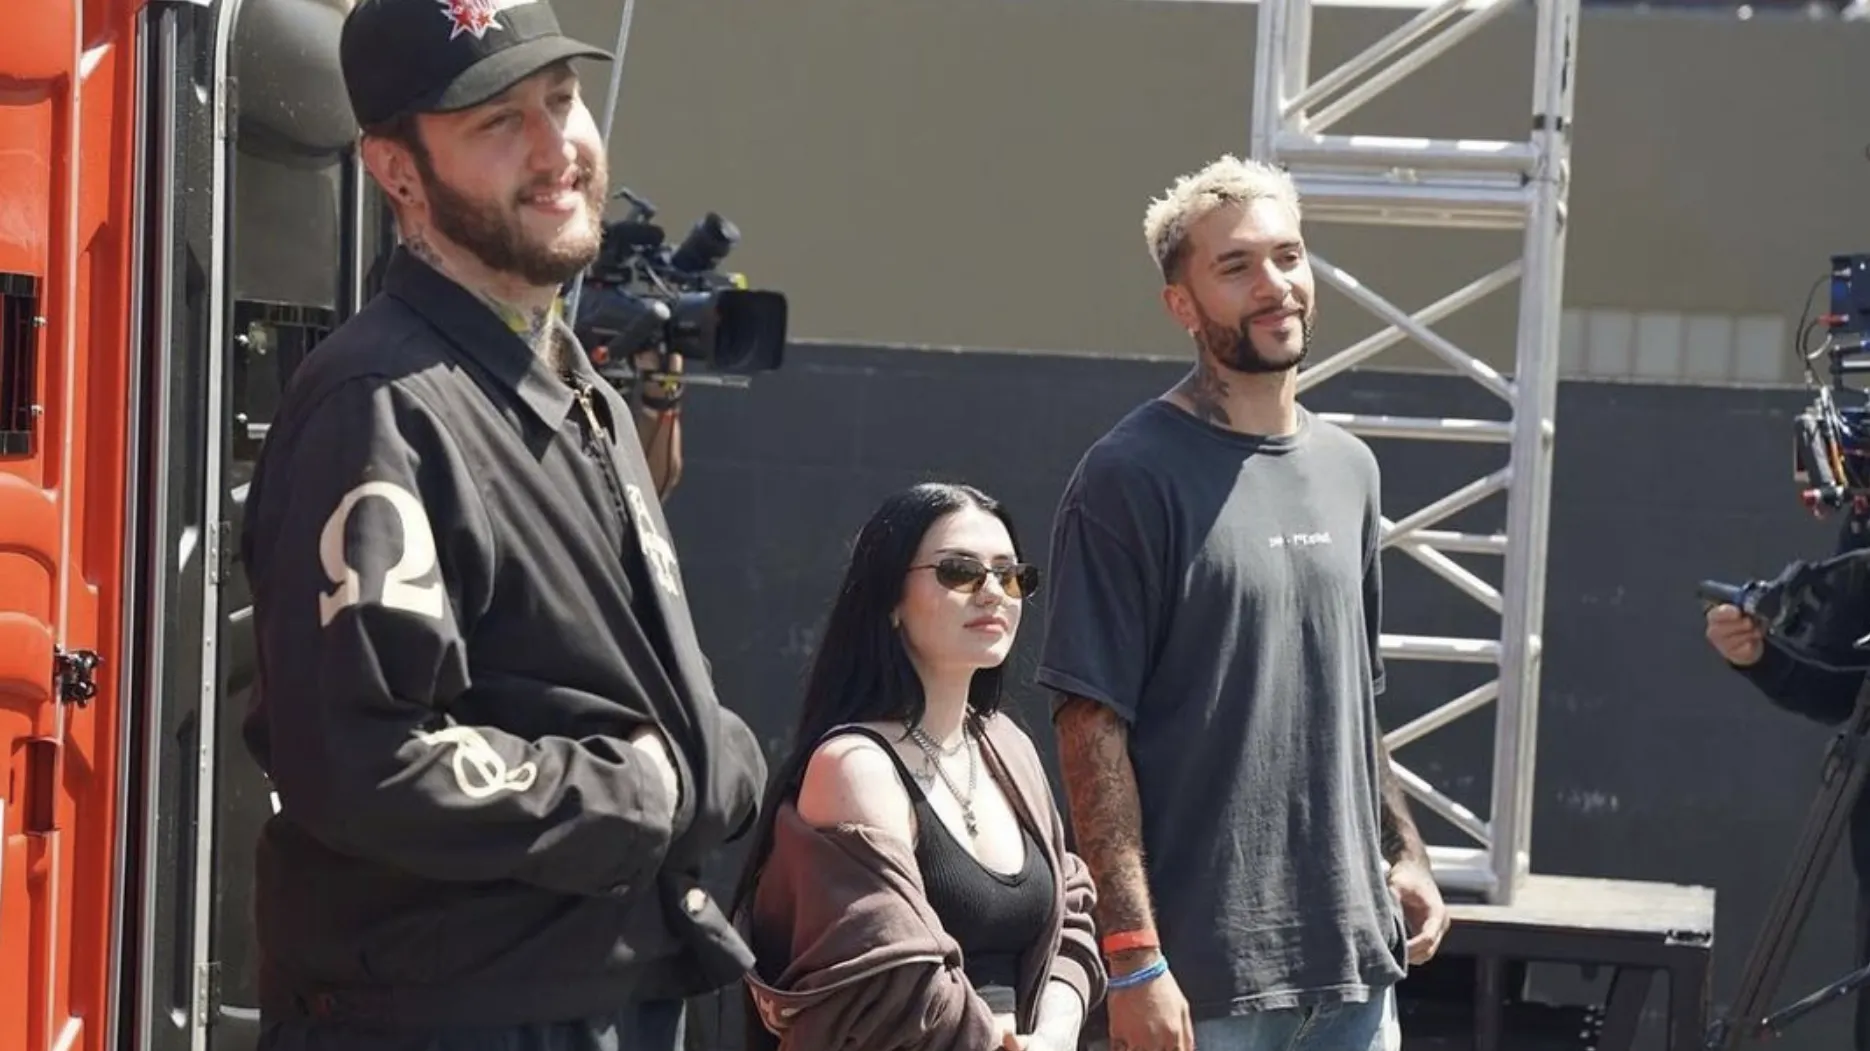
point(1450, 184)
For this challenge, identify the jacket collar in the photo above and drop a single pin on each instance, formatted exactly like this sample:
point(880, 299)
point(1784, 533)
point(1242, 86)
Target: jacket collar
point(474, 329)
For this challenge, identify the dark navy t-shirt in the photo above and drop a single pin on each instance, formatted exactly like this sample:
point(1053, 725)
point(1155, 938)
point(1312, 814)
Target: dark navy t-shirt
point(1222, 594)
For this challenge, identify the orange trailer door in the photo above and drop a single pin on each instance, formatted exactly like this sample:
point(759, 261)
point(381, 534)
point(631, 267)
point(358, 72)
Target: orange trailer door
point(66, 239)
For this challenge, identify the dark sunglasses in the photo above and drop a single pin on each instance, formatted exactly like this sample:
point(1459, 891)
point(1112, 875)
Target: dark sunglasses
point(960, 573)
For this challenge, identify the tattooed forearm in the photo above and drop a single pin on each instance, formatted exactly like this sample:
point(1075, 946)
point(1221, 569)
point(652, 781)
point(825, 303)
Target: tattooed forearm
point(1401, 840)
point(1206, 393)
point(1094, 757)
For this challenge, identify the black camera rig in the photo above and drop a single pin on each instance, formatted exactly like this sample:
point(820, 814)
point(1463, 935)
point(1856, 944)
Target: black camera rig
point(1833, 440)
point(641, 295)
point(1817, 613)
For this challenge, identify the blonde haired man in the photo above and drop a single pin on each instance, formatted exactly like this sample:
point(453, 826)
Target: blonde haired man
point(1213, 642)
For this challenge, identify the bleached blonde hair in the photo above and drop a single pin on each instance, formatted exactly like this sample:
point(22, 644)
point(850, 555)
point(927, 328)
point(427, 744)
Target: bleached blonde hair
point(1227, 180)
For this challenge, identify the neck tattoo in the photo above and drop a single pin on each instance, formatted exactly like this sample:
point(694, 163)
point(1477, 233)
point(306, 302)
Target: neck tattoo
point(535, 325)
point(419, 247)
point(1206, 392)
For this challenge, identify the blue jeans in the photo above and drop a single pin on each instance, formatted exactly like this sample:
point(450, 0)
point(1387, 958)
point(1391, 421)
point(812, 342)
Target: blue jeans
point(1336, 1027)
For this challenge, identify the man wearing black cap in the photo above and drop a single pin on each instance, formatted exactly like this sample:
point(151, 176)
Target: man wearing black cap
point(499, 759)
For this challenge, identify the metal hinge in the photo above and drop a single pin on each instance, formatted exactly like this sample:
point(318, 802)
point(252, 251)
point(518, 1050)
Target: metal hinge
point(229, 103)
point(74, 675)
point(207, 992)
point(220, 552)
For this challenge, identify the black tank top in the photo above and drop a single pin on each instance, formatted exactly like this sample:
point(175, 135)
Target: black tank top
point(996, 917)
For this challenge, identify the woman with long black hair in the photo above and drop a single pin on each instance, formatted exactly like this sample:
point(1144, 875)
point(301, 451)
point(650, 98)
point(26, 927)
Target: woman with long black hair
point(909, 886)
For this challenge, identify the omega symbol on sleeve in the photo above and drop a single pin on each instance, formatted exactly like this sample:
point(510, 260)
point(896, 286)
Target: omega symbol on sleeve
point(480, 771)
point(400, 590)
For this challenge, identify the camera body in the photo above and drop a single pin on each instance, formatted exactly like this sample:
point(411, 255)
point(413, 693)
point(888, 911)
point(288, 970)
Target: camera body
point(1832, 440)
point(640, 295)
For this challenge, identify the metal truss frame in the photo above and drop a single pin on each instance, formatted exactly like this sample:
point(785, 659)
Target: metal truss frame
point(1449, 184)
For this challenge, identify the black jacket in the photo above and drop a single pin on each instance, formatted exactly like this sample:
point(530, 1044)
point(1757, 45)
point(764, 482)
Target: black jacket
point(457, 628)
point(1825, 697)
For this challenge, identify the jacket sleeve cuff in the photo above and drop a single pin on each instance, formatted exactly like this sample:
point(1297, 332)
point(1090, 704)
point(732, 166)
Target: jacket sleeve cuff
point(1087, 982)
point(1077, 963)
point(1770, 672)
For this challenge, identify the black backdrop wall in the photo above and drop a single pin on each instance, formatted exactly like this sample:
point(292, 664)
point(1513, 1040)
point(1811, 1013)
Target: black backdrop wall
point(1654, 762)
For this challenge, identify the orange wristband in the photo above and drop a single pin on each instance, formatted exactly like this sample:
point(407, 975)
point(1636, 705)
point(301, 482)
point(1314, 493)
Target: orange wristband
point(1124, 941)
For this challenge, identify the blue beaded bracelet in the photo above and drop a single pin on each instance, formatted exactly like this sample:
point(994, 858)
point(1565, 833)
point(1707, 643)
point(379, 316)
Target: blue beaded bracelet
point(1156, 969)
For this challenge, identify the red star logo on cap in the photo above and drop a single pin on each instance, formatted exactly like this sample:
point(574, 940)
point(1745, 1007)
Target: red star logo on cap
point(472, 16)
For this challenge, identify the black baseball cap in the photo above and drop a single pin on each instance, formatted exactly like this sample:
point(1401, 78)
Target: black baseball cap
point(436, 56)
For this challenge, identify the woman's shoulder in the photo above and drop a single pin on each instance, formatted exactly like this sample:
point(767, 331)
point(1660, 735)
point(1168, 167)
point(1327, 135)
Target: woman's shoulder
point(853, 779)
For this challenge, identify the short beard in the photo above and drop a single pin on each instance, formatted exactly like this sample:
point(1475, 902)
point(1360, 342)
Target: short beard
point(494, 235)
point(1234, 349)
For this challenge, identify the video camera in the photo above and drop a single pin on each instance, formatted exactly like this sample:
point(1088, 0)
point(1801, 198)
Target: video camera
point(640, 294)
point(1833, 441)
point(1818, 612)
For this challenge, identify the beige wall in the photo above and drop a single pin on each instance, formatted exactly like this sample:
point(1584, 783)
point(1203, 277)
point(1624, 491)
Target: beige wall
point(973, 172)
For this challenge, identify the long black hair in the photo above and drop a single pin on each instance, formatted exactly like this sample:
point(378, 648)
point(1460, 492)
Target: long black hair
point(861, 671)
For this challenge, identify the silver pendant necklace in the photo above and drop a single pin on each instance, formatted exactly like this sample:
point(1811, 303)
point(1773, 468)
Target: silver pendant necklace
point(933, 753)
